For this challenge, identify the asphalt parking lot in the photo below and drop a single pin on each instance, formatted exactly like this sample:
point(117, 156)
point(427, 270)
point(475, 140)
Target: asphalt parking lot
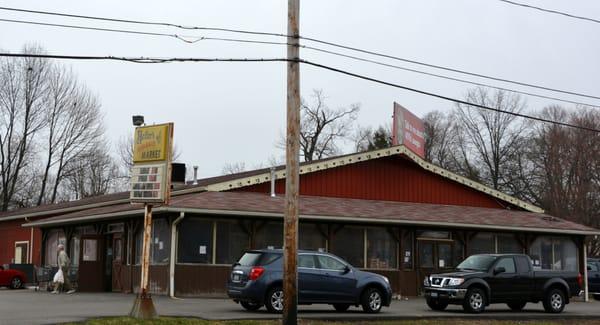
point(30, 307)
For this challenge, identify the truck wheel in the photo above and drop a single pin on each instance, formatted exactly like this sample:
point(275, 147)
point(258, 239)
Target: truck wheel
point(554, 302)
point(250, 306)
point(341, 307)
point(274, 301)
point(16, 283)
point(435, 304)
point(517, 306)
point(371, 300)
point(474, 301)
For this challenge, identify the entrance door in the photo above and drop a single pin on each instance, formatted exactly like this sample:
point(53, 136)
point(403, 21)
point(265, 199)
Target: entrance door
point(434, 256)
point(117, 262)
point(21, 252)
point(91, 264)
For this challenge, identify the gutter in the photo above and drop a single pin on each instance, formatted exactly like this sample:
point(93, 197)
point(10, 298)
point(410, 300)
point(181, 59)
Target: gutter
point(278, 215)
point(173, 252)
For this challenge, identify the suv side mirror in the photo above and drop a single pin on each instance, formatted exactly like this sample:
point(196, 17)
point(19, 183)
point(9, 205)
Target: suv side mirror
point(499, 270)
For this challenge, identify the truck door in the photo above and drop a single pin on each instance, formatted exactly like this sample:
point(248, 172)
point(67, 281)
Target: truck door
point(523, 282)
point(501, 284)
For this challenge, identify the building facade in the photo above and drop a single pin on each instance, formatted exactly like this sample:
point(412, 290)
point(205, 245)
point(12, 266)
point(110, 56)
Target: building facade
point(387, 211)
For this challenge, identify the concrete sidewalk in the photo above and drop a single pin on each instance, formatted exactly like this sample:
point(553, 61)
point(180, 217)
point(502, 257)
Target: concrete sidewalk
point(30, 307)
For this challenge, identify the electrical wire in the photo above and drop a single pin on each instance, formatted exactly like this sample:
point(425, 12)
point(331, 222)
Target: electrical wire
point(194, 39)
point(184, 38)
point(514, 3)
point(346, 47)
point(321, 66)
point(447, 77)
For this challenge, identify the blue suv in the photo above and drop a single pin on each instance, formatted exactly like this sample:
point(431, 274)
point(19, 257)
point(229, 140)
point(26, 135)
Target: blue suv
point(323, 278)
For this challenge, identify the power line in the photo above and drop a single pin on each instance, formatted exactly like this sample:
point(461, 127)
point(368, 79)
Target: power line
point(459, 101)
point(184, 38)
point(345, 72)
point(514, 3)
point(479, 75)
point(446, 77)
point(194, 39)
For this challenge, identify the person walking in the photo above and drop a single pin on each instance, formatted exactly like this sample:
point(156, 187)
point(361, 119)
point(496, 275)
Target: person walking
point(64, 263)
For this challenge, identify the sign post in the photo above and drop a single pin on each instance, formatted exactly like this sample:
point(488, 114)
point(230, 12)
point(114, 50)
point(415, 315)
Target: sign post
point(150, 183)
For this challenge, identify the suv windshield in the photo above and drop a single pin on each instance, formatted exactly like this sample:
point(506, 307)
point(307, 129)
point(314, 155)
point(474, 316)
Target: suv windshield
point(477, 263)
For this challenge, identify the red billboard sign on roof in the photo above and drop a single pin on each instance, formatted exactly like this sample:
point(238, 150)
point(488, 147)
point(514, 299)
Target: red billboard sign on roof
point(409, 130)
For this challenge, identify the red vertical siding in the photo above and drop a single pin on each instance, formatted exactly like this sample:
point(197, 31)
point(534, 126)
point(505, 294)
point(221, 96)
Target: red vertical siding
point(11, 232)
point(390, 179)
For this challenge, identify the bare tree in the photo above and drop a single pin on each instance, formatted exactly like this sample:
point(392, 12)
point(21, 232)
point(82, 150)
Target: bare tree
point(366, 139)
point(74, 123)
point(92, 173)
point(439, 141)
point(488, 140)
point(234, 168)
point(22, 89)
point(321, 128)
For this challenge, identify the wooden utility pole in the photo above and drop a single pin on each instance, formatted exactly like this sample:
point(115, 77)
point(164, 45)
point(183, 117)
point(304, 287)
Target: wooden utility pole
point(143, 306)
point(292, 178)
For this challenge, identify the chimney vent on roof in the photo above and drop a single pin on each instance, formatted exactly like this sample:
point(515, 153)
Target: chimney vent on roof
point(273, 177)
point(195, 176)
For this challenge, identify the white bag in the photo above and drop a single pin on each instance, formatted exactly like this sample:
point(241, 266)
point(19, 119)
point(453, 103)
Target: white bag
point(59, 277)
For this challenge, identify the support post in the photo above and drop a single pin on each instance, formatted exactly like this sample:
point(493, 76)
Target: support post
point(586, 292)
point(292, 178)
point(143, 307)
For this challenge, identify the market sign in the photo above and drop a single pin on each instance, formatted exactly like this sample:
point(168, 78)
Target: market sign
point(408, 130)
point(151, 171)
point(151, 143)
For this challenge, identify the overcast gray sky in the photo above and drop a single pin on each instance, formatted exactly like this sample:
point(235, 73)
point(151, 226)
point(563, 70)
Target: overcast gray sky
point(234, 112)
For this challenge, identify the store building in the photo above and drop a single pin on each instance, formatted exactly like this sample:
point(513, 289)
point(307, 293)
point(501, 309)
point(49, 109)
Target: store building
point(387, 211)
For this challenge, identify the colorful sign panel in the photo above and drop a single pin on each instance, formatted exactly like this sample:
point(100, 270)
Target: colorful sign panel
point(150, 143)
point(148, 182)
point(151, 171)
point(408, 130)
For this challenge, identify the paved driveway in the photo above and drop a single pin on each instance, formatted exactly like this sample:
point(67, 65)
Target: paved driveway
point(30, 307)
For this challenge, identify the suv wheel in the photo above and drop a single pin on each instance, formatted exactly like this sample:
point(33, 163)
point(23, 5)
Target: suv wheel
point(517, 305)
point(16, 283)
point(274, 301)
point(474, 301)
point(554, 302)
point(250, 306)
point(436, 304)
point(341, 307)
point(371, 300)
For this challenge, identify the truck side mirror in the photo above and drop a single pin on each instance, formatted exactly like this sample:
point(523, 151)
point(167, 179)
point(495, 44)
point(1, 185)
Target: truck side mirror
point(499, 270)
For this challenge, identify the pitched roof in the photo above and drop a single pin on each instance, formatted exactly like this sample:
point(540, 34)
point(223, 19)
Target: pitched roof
point(258, 176)
point(340, 209)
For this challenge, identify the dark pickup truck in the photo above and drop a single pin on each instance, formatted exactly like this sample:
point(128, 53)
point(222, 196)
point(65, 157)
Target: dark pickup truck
point(486, 279)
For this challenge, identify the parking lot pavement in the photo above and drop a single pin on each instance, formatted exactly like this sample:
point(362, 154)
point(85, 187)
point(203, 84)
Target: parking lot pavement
point(30, 307)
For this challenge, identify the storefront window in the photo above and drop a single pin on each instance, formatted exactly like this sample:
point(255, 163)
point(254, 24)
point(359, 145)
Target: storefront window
point(269, 236)
point(381, 249)
point(310, 238)
point(426, 254)
point(195, 241)
point(161, 241)
point(458, 253)
point(55, 237)
point(75, 250)
point(232, 241)
point(482, 243)
point(407, 251)
point(508, 244)
point(348, 243)
point(549, 253)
